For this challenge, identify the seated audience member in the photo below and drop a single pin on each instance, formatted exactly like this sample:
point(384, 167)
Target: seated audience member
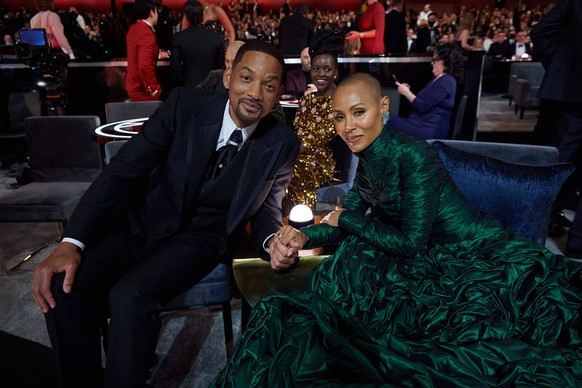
point(298, 79)
point(313, 123)
point(517, 49)
point(195, 51)
point(422, 289)
point(127, 262)
point(432, 107)
point(498, 48)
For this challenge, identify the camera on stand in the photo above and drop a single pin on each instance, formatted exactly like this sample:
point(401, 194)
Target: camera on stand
point(49, 67)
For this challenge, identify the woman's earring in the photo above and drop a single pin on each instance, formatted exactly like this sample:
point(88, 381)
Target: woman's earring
point(385, 118)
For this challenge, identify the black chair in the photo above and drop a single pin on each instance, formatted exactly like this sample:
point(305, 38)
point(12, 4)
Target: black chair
point(457, 118)
point(118, 111)
point(215, 288)
point(64, 159)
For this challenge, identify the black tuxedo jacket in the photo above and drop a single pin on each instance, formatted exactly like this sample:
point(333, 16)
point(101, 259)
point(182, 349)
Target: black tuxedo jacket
point(195, 51)
point(557, 43)
point(178, 141)
point(295, 33)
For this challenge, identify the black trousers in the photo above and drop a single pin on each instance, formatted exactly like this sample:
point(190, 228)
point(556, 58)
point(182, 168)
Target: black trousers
point(129, 279)
point(561, 124)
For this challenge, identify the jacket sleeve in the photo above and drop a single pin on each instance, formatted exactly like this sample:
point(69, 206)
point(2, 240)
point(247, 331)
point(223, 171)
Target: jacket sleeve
point(434, 94)
point(147, 53)
point(268, 218)
point(135, 162)
point(548, 32)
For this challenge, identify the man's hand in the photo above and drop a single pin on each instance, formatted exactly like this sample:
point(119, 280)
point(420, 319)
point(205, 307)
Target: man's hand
point(66, 258)
point(285, 246)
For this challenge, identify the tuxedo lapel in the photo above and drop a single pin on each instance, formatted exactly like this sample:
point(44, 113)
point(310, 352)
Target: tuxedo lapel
point(259, 161)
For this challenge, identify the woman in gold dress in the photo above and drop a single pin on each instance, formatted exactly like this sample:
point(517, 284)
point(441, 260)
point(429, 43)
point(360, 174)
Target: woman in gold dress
point(314, 124)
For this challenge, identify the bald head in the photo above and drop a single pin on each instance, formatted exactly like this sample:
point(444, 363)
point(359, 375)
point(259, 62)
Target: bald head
point(231, 51)
point(364, 82)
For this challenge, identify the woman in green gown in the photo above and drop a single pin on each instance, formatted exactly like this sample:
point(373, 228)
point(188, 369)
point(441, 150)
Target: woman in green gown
point(422, 290)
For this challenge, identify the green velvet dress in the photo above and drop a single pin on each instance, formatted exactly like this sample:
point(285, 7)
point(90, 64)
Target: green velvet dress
point(422, 291)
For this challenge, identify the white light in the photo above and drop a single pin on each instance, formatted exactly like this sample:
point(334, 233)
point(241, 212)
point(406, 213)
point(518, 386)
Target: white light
point(301, 213)
point(41, 83)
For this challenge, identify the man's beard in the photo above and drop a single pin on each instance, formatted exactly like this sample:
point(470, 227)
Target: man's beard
point(248, 118)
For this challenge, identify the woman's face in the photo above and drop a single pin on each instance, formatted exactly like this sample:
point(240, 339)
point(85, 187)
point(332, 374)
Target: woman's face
point(323, 72)
point(358, 115)
point(438, 66)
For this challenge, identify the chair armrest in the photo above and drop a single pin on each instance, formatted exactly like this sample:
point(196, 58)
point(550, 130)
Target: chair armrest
point(256, 279)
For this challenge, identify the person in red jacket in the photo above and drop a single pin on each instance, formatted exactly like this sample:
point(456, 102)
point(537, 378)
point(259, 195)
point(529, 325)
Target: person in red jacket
point(141, 81)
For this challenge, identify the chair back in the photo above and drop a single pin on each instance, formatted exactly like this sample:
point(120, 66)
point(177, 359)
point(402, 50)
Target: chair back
point(457, 118)
point(394, 98)
point(111, 149)
point(63, 148)
point(118, 111)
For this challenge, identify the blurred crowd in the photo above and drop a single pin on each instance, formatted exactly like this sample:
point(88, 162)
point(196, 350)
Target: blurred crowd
point(101, 35)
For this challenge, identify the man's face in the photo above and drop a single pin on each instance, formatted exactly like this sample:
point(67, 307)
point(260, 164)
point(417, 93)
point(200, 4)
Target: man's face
point(254, 86)
point(520, 37)
point(305, 59)
point(500, 38)
point(431, 20)
point(154, 16)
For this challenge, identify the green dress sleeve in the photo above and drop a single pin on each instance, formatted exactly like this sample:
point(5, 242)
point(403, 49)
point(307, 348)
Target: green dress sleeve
point(402, 228)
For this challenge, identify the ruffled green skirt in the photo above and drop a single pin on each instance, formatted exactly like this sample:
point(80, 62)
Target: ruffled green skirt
point(490, 312)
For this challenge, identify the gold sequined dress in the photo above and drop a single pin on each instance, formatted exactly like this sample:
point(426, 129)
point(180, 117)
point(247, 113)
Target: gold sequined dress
point(315, 165)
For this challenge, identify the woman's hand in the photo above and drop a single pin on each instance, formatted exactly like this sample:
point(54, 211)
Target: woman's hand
point(404, 89)
point(311, 88)
point(352, 35)
point(285, 246)
point(332, 218)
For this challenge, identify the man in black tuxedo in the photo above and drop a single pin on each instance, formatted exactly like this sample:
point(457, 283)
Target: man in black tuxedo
point(295, 31)
point(557, 44)
point(395, 30)
point(159, 247)
point(498, 48)
point(195, 51)
point(519, 47)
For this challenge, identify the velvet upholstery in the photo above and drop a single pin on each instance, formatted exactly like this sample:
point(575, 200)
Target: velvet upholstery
point(519, 195)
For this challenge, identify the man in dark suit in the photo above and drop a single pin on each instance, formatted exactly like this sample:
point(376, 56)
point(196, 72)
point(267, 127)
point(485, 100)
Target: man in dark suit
point(298, 79)
point(518, 48)
point(141, 80)
point(295, 31)
point(196, 50)
point(162, 245)
point(557, 44)
point(498, 48)
point(395, 29)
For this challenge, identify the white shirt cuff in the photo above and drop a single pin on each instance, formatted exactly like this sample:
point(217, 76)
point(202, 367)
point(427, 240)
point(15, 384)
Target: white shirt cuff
point(74, 242)
point(266, 243)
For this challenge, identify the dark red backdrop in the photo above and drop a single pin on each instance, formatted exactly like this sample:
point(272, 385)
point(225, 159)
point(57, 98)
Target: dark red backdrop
point(438, 6)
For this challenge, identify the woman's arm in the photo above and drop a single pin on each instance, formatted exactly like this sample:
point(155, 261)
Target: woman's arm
point(420, 182)
point(464, 38)
point(223, 19)
point(434, 93)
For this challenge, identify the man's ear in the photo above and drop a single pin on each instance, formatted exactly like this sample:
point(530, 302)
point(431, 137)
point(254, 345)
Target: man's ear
point(226, 77)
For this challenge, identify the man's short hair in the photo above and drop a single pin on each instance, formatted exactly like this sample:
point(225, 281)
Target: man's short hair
point(263, 47)
point(302, 8)
point(194, 12)
point(142, 8)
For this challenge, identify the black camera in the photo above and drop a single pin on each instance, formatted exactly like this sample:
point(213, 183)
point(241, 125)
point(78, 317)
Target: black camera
point(49, 65)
